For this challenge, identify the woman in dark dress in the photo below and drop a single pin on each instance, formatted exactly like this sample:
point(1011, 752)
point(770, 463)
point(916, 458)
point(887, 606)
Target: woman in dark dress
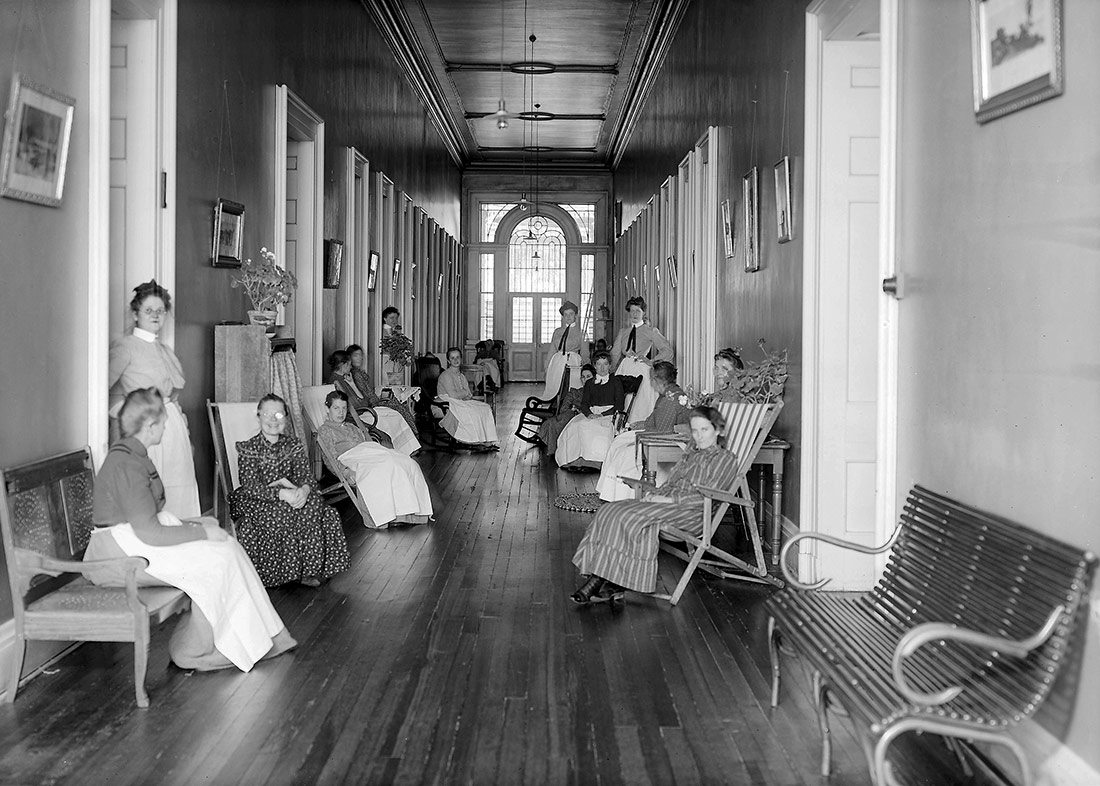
point(282, 521)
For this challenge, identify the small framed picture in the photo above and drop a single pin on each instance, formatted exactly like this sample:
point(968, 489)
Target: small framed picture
point(783, 217)
point(1017, 54)
point(727, 228)
point(671, 263)
point(439, 288)
point(36, 142)
point(372, 272)
point(396, 274)
point(228, 234)
point(750, 189)
point(334, 259)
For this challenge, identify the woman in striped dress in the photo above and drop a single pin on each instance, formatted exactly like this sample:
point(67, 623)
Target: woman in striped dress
point(619, 549)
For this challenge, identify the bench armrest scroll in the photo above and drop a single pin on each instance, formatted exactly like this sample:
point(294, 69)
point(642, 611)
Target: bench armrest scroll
point(940, 631)
point(635, 483)
point(845, 544)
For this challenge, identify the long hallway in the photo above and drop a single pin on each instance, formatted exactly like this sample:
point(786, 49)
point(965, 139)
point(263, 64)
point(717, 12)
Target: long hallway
point(450, 653)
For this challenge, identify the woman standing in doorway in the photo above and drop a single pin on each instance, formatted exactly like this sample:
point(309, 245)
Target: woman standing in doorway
point(139, 360)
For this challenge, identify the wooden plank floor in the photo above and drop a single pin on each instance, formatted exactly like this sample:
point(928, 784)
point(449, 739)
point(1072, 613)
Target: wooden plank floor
point(450, 653)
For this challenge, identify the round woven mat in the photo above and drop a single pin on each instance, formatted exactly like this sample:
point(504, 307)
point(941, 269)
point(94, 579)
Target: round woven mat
point(581, 502)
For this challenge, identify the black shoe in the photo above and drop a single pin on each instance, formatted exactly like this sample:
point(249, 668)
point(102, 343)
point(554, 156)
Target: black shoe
point(585, 592)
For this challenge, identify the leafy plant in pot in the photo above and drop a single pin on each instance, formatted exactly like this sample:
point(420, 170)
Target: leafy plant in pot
point(268, 286)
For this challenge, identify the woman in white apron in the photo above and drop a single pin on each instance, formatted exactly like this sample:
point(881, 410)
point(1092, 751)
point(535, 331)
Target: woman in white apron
point(566, 358)
point(468, 421)
point(637, 346)
point(139, 360)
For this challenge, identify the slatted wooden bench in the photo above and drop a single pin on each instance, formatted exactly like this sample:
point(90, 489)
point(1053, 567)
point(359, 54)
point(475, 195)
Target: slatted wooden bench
point(46, 519)
point(963, 636)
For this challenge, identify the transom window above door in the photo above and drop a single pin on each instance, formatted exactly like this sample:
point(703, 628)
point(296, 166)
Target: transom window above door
point(536, 256)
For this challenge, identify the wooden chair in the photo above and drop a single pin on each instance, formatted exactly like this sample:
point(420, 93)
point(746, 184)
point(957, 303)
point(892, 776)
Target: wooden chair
point(46, 519)
point(747, 426)
point(428, 369)
point(537, 410)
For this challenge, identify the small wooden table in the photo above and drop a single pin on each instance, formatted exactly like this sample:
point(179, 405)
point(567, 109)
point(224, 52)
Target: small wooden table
point(666, 447)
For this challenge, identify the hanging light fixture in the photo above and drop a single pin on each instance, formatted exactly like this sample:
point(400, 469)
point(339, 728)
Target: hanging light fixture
point(501, 114)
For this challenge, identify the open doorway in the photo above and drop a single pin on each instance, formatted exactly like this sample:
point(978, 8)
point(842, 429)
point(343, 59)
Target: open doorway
point(849, 409)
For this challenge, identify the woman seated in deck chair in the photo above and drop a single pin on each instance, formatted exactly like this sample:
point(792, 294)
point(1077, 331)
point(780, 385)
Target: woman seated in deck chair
point(585, 439)
point(470, 422)
point(668, 415)
point(362, 380)
point(396, 433)
point(619, 549)
point(232, 621)
point(390, 483)
point(551, 428)
point(282, 520)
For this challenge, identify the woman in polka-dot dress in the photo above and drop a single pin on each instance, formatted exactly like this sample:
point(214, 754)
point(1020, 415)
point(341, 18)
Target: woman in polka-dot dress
point(288, 531)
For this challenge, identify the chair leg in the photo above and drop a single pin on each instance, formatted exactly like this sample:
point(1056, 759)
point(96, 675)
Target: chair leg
point(822, 701)
point(141, 660)
point(19, 648)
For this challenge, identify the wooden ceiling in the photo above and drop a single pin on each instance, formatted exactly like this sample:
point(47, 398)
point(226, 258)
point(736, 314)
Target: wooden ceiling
point(584, 77)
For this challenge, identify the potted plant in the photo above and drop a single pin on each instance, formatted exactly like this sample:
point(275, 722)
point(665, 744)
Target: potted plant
point(268, 286)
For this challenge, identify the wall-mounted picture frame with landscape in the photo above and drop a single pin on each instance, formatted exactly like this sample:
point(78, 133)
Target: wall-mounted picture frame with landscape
point(228, 234)
point(38, 125)
point(1017, 54)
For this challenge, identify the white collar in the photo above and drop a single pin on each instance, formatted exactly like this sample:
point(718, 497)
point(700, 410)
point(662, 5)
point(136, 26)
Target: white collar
point(145, 335)
point(601, 380)
point(637, 324)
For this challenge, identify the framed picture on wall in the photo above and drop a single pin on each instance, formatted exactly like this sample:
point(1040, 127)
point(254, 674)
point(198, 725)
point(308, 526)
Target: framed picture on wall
point(671, 263)
point(36, 142)
point(750, 189)
point(439, 288)
point(334, 259)
point(783, 216)
point(727, 228)
point(396, 274)
point(228, 234)
point(1017, 54)
point(372, 272)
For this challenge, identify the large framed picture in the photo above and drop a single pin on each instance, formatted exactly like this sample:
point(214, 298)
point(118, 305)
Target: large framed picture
point(1017, 54)
point(372, 272)
point(36, 142)
point(228, 234)
point(750, 191)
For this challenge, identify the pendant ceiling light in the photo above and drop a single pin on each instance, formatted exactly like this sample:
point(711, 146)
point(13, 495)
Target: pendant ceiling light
point(501, 114)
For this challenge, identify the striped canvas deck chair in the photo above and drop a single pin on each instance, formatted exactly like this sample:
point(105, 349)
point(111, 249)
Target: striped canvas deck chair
point(747, 426)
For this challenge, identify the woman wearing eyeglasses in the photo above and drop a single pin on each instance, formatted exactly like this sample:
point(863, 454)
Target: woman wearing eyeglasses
point(282, 522)
point(138, 360)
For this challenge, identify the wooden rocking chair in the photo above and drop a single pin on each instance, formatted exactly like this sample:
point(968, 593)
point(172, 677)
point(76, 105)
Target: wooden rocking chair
point(747, 426)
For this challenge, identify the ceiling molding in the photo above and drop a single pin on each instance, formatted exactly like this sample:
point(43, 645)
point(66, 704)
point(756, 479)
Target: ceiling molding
point(658, 40)
point(394, 25)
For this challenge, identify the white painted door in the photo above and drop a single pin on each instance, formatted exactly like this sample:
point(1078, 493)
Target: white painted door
point(134, 183)
point(847, 340)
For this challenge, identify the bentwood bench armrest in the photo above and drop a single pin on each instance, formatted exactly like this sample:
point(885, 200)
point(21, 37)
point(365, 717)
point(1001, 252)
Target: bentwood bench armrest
point(724, 496)
point(834, 541)
point(51, 565)
point(636, 483)
point(942, 631)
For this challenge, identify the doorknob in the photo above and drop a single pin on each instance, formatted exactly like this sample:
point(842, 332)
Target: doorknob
point(892, 286)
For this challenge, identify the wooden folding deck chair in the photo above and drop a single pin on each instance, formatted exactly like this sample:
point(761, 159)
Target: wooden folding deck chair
point(747, 426)
point(313, 403)
point(230, 423)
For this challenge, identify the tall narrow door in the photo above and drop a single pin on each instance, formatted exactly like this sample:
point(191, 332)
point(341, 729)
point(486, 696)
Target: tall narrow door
point(534, 318)
point(848, 307)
